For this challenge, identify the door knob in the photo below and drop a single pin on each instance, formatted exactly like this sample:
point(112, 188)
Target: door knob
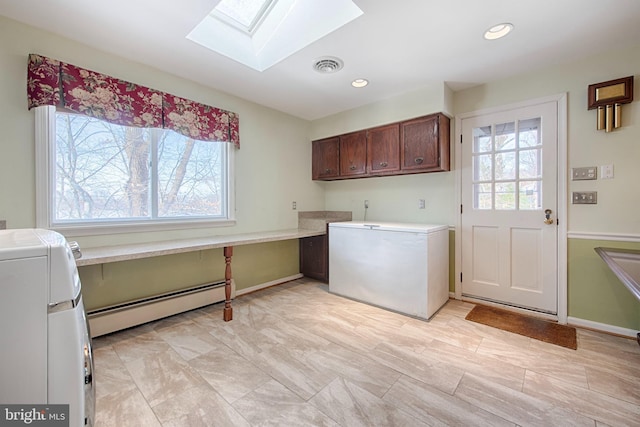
point(547, 216)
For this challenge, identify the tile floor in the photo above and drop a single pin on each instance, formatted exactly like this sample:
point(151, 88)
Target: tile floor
point(295, 355)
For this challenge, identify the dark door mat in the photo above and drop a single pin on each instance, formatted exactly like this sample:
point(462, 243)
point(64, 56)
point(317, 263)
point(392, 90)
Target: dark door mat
point(528, 326)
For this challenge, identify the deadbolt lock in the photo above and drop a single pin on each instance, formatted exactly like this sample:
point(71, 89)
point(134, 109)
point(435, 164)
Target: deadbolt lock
point(547, 216)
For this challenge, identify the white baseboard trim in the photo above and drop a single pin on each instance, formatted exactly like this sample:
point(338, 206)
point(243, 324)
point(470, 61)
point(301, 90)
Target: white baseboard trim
point(268, 284)
point(114, 319)
point(123, 316)
point(601, 327)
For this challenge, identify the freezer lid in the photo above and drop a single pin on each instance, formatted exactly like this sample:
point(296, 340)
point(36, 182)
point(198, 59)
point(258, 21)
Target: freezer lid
point(390, 226)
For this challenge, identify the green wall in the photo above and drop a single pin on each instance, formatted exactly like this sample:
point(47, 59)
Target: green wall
point(594, 292)
point(104, 285)
point(261, 263)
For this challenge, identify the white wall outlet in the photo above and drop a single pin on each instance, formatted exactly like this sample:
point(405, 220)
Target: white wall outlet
point(606, 172)
point(366, 204)
point(294, 205)
point(421, 203)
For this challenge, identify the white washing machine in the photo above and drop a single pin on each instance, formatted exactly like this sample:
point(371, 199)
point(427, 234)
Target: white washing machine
point(45, 356)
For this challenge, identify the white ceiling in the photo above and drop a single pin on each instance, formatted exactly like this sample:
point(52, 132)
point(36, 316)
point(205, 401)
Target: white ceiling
point(399, 46)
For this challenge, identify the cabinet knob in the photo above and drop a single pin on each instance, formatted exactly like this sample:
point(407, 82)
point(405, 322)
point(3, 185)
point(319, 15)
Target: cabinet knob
point(383, 164)
point(327, 170)
point(352, 167)
point(419, 160)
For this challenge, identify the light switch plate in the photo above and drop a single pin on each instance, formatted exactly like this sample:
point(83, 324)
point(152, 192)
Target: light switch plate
point(585, 173)
point(585, 197)
point(606, 172)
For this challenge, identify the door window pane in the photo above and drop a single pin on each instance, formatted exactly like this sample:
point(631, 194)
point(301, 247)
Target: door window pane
point(529, 164)
point(505, 136)
point(529, 133)
point(530, 195)
point(483, 168)
point(505, 166)
point(505, 195)
point(483, 196)
point(482, 141)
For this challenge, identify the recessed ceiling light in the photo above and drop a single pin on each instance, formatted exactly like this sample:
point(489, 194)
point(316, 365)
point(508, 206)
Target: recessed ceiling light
point(359, 82)
point(498, 31)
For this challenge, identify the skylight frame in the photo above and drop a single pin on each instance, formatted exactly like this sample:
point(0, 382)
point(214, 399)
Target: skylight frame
point(288, 27)
point(258, 18)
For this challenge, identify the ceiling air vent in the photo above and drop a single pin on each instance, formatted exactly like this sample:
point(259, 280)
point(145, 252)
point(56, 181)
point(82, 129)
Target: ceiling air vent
point(327, 65)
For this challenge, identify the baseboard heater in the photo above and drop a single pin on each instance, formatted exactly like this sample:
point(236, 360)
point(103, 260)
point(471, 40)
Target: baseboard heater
point(122, 316)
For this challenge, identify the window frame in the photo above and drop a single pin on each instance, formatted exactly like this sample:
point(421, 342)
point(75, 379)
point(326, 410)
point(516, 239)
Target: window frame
point(45, 139)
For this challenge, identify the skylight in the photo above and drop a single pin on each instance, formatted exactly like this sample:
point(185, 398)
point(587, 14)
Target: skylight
point(261, 33)
point(246, 15)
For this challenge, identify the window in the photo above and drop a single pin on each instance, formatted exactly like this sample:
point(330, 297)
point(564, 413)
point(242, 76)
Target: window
point(507, 166)
point(245, 15)
point(99, 175)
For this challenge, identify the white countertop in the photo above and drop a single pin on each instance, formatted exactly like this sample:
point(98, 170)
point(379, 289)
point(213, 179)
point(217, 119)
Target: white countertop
point(105, 254)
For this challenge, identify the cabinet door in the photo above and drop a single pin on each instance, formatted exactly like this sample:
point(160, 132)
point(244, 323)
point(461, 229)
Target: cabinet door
point(425, 143)
point(353, 154)
point(314, 257)
point(325, 158)
point(383, 149)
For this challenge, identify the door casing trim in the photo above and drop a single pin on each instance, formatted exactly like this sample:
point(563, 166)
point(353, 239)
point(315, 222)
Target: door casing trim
point(561, 103)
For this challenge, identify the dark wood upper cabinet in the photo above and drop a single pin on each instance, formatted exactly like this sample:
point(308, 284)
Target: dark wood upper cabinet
point(325, 158)
point(418, 145)
point(353, 154)
point(383, 149)
point(425, 143)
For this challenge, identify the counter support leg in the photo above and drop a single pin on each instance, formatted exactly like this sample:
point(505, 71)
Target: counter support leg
point(228, 310)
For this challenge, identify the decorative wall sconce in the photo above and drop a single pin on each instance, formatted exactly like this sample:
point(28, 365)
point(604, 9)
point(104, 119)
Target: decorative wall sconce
point(608, 98)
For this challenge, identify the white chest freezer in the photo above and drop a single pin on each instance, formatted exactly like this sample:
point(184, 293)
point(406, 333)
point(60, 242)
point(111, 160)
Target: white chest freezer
point(401, 267)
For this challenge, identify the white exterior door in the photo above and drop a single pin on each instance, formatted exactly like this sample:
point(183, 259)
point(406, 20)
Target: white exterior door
point(509, 176)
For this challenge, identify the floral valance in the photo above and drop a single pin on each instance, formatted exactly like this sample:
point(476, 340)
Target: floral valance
point(51, 82)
